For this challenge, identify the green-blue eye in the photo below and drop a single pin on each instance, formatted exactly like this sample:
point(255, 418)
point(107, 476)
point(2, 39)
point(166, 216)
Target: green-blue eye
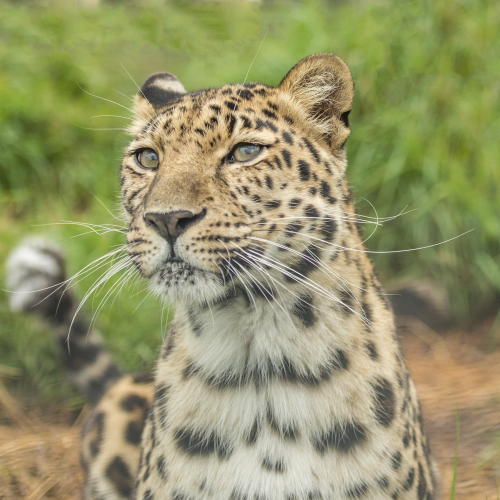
point(244, 152)
point(147, 158)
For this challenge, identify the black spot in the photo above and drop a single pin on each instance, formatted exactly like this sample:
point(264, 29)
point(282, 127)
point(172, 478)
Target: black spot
point(195, 323)
point(287, 157)
point(133, 402)
point(311, 211)
point(409, 479)
point(276, 466)
point(357, 491)
point(287, 138)
point(372, 351)
point(325, 192)
point(305, 264)
point(303, 309)
point(293, 228)
point(197, 443)
point(231, 105)
point(341, 437)
point(294, 202)
point(119, 475)
point(383, 401)
point(254, 433)
point(272, 204)
point(312, 149)
point(304, 170)
point(245, 94)
point(82, 355)
point(161, 467)
point(133, 431)
point(270, 114)
point(231, 122)
point(396, 460)
point(328, 229)
point(142, 378)
point(215, 108)
point(383, 482)
point(269, 182)
point(422, 483)
point(96, 427)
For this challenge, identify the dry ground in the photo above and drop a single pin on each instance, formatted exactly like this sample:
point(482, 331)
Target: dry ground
point(458, 382)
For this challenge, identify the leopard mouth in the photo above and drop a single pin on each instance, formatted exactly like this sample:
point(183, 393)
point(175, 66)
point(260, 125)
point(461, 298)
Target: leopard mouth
point(176, 268)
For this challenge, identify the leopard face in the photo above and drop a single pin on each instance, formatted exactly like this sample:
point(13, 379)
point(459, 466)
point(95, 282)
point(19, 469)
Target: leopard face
point(229, 186)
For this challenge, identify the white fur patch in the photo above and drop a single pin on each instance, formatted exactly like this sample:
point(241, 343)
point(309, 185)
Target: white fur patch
point(31, 269)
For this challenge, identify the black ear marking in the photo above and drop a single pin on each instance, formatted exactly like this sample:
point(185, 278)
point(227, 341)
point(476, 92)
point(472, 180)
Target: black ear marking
point(161, 88)
point(344, 118)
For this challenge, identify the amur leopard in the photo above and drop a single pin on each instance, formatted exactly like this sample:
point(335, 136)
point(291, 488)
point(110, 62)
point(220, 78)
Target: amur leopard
point(281, 376)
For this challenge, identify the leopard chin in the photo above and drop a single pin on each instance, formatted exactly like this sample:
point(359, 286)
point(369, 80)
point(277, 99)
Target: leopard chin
point(177, 281)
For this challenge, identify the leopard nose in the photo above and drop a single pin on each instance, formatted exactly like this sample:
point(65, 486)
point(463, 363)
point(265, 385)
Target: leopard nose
point(171, 225)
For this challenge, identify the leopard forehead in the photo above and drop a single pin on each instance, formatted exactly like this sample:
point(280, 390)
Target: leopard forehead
point(210, 119)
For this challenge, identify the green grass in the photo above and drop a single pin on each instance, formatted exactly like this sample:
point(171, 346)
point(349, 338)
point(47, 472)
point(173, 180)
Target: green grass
point(425, 130)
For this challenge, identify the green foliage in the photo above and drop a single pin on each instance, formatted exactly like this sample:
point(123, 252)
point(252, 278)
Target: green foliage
point(425, 131)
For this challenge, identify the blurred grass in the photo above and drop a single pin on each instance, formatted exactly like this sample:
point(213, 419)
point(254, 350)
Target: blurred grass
point(425, 131)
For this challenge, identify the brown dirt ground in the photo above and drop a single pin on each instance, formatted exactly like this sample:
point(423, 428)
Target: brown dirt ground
point(458, 383)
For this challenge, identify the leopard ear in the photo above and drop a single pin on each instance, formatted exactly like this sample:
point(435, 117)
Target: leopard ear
point(322, 86)
point(157, 91)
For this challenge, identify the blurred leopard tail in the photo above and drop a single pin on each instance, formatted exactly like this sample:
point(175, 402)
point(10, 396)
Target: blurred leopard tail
point(36, 279)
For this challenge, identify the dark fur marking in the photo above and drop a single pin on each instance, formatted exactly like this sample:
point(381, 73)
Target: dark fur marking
point(272, 204)
point(287, 138)
point(304, 170)
point(396, 460)
point(312, 149)
point(133, 402)
point(119, 475)
point(422, 484)
point(245, 94)
point(254, 433)
point(311, 211)
point(142, 378)
point(341, 437)
point(325, 192)
point(383, 401)
point(96, 426)
point(287, 157)
point(383, 482)
point(133, 432)
point(328, 229)
point(303, 309)
point(358, 490)
point(161, 467)
point(305, 264)
point(277, 466)
point(196, 443)
point(294, 202)
point(409, 479)
point(372, 351)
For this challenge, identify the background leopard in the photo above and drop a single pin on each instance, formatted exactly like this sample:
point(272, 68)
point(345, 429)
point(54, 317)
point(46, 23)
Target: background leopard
point(281, 375)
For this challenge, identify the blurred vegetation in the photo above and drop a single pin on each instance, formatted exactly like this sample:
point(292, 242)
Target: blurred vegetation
point(425, 134)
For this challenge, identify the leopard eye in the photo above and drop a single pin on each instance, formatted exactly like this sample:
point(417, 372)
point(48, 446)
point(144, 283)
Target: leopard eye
point(147, 158)
point(244, 152)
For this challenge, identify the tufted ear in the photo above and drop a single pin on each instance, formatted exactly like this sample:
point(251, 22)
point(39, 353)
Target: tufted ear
point(322, 86)
point(157, 91)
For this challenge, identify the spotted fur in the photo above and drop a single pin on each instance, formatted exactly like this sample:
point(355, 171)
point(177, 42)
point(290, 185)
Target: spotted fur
point(281, 376)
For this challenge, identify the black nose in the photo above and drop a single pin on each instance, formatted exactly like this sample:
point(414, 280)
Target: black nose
point(172, 224)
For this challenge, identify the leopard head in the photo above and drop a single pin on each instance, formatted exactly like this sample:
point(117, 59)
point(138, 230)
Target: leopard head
point(221, 186)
